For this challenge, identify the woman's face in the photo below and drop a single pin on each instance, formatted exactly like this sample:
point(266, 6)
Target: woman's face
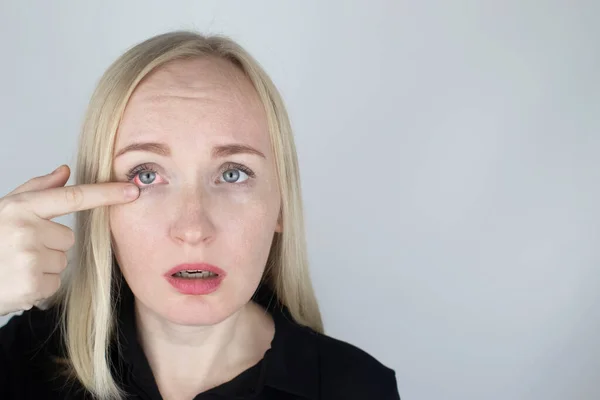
point(202, 199)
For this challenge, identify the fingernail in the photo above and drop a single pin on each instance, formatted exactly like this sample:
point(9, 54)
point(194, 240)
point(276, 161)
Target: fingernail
point(56, 170)
point(131, 192)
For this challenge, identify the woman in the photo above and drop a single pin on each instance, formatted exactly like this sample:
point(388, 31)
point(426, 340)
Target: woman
point(197, 285)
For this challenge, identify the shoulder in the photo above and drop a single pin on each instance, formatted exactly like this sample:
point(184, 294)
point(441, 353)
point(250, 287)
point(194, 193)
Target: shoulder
point(28, 331)
point(326, 367)
point(350, 372)
point(29, 343)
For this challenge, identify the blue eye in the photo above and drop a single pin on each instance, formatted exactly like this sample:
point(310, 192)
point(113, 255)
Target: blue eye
point(232, 171)
point(233, 174)
point(146, 174)
point(141, 168)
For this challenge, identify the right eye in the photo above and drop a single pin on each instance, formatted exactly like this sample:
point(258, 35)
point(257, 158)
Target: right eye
point(142, 175)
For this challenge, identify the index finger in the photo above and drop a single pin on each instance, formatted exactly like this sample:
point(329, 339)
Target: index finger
point(54, 202)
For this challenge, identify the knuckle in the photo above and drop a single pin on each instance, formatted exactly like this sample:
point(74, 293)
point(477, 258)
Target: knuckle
point(64, 260)
point(74, 195)
point(23, 231)
point(21, 223)
point(28, 259)
point(31, 299)
point(30, 285)
point(12, 205)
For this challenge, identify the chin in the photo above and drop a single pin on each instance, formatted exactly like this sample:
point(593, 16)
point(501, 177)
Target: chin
point(198, 310)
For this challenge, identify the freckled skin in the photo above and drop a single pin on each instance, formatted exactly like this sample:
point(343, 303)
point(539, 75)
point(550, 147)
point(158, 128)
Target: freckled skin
point(190, 212)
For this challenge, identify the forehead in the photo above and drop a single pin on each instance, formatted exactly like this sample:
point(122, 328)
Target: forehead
point(187, 101)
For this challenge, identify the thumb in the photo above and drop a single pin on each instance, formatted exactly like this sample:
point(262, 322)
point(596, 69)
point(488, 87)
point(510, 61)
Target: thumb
point(57, 178)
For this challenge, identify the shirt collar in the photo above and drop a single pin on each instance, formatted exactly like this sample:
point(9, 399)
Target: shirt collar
point(290, 365)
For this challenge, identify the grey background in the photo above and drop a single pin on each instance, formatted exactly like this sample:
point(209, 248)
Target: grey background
point(449, 164)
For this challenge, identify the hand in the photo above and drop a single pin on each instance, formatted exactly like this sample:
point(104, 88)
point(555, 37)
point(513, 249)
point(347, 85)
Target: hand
point(33, 248)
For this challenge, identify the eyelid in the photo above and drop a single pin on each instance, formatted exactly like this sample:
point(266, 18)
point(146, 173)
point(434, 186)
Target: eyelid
point(233, 165)
point(139, 168)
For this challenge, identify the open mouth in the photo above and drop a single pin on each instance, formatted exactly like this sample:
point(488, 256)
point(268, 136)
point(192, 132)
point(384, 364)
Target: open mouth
point(195, 278)
point(194, 274)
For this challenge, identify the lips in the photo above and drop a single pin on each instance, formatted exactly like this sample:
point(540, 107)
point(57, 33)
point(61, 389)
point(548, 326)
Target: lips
point(193, 282)
point(190, 267)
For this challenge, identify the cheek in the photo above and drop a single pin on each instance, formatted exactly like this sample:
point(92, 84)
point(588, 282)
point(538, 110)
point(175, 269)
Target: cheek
point(246, 229)
point(134, 223)
point(249, 230)
point(134, 233)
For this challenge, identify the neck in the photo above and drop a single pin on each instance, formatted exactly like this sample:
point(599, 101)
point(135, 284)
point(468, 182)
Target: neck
point(187, 360)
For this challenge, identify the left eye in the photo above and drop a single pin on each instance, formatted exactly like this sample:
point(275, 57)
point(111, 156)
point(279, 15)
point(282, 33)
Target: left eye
point(233, 174)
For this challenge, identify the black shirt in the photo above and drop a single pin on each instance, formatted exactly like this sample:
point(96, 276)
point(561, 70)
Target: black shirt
point(301, 363)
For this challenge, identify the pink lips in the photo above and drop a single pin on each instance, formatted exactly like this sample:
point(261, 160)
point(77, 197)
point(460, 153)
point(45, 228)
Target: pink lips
point(195, 286)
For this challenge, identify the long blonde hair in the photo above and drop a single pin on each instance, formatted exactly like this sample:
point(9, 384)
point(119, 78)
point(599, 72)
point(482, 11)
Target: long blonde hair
point(87, 298)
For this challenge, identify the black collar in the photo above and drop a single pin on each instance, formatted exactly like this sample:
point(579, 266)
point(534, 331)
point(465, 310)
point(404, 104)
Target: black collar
point(290, 365)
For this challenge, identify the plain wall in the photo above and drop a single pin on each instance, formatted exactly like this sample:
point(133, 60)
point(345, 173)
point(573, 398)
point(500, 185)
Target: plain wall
point(449, 163)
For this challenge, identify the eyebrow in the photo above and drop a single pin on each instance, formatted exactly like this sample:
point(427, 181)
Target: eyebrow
point(164, 150)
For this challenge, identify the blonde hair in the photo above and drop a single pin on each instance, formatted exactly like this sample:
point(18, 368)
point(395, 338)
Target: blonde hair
point(87, 298)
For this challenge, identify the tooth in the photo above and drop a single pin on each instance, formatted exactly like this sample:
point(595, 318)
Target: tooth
point(195, 274)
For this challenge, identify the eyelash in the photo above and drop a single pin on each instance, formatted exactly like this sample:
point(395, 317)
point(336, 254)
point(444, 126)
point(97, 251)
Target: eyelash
point(148, 168)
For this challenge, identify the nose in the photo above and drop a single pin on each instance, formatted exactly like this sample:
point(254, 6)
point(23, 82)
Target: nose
point(192, 224)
